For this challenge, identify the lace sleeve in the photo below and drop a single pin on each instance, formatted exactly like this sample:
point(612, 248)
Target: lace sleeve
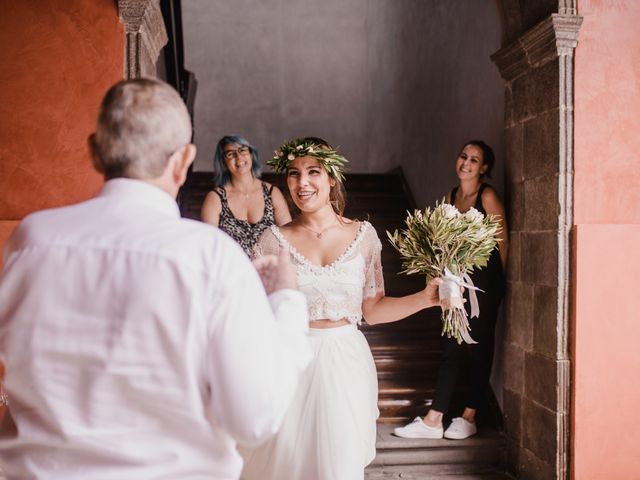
point(373, 278)
point(267, 244)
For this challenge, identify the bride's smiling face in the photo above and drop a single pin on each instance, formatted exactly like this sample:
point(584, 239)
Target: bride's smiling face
point(309, 184)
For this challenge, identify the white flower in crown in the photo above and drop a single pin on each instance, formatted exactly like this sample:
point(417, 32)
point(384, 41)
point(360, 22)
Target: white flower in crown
point(278, 153)
point(448, 210)
point(311, 150)
point(291, 157)
point(299, 147)
point(474, 216)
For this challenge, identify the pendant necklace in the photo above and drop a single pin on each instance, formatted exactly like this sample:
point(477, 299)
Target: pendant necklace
point(319, 234)
point(244, 194)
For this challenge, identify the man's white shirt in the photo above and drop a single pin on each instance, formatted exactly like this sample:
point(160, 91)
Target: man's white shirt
point(138, 344)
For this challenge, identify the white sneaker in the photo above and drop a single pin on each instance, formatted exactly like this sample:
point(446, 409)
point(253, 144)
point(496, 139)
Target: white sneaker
point(460, 429)
point(418, 429)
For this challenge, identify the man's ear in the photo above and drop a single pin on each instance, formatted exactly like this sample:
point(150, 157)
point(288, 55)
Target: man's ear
point(185, 157)
point(93, 152)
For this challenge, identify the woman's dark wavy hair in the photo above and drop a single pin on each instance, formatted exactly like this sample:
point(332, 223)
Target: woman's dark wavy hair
point(488, 157)
point(221, 175)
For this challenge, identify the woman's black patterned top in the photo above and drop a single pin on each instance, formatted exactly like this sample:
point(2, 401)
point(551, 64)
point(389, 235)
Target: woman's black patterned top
point(242, 231)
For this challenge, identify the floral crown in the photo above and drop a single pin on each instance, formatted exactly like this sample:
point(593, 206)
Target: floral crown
point(330, 159)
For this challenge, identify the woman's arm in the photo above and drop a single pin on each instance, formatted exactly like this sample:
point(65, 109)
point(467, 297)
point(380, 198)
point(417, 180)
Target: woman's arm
point(280, 208)
point(493, 206)
point(382, 309)
point(211, 209)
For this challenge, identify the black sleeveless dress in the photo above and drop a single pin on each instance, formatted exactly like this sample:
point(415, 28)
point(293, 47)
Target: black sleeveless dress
point(491, 279)
point(242, 231)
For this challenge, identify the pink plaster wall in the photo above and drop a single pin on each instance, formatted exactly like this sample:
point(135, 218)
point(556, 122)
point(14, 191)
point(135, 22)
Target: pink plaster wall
point(58, 59)
point(607, 108)
point(606, 237)
point(606, 388)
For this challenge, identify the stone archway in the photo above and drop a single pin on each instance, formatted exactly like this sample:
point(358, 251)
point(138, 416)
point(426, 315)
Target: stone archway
point(536, 63)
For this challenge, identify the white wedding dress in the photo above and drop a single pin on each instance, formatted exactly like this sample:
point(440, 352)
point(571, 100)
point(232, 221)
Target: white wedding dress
point(329, 432)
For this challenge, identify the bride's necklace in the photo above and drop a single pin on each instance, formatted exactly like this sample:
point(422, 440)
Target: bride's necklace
point(321, 232)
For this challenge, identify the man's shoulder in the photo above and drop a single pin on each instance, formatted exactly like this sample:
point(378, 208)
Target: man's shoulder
point(205, 245)
point(39, 225)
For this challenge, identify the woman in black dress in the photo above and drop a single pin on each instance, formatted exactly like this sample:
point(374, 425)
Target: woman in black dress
point(241, 204)
point(475, 162)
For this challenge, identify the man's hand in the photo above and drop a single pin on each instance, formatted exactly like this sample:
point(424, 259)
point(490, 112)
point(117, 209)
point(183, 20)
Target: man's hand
point(276, 273)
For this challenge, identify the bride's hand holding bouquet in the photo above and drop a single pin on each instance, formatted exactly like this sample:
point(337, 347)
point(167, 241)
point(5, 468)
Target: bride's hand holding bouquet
point(446, 243)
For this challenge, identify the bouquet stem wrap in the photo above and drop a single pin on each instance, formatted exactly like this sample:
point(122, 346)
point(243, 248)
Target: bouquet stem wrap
point(455, 322)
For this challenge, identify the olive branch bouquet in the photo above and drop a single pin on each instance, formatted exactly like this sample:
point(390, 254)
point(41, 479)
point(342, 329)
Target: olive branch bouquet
point(443, 242)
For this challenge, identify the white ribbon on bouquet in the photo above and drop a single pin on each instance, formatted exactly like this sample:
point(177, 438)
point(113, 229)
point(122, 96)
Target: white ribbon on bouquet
point(451, 296)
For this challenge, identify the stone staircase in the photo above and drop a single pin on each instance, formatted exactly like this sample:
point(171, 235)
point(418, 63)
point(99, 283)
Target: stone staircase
point(477, 457)
point(406, 353)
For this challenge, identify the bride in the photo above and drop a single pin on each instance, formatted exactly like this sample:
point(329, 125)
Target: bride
point(329, 432)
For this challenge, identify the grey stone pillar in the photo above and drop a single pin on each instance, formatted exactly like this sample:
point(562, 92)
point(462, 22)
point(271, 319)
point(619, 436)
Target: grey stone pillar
point(538, 71)
point(145, 35)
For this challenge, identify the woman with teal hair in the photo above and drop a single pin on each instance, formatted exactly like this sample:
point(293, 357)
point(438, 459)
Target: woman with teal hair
point(241, 204)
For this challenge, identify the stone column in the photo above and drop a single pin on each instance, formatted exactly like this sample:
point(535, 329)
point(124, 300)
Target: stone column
point(145, 35)
point(538, 71)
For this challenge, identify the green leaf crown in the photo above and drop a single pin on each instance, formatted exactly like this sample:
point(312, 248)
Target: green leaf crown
point(331, 160)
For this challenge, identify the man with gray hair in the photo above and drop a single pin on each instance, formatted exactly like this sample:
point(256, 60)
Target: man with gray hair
point(138, 344)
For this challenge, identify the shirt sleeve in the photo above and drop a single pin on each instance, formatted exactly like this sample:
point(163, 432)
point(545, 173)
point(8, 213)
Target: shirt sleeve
point(373, 276)
point(257, 353)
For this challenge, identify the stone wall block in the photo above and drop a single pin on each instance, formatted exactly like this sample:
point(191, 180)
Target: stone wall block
point(540, 380)
point(519, 322)
point(541, 207)
point(513, 368)
point(540, 145)
point(514, 205)
point(513, 260)
point(533, 468)
point(545, 307)
point(512, 411)
point(536, 92)
point(514, 153)
point(539, 432)
point(540, 262)
point(508, 107)
point(513, 459)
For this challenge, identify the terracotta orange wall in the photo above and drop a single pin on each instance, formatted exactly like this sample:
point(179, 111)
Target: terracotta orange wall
point(606, 237)
point(58, 59)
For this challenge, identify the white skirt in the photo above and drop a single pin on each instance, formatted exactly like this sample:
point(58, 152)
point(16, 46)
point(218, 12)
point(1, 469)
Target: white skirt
point(329, 432)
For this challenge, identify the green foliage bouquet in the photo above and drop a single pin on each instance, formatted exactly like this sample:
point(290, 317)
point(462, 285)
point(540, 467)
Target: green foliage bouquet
point(446, 243)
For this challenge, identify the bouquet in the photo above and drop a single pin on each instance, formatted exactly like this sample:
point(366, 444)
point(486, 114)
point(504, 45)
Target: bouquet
point(446, 243)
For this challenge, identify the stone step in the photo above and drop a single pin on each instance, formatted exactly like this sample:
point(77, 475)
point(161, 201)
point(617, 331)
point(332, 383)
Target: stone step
point(480, 456)
point(423, 472)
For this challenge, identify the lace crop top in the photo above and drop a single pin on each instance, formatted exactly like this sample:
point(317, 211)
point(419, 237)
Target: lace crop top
point(335, 291)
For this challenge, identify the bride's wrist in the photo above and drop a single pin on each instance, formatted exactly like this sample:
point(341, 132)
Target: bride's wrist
point(426, 299)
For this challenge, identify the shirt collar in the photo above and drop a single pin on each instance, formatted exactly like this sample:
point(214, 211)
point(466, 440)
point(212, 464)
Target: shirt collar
point(138, 191)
